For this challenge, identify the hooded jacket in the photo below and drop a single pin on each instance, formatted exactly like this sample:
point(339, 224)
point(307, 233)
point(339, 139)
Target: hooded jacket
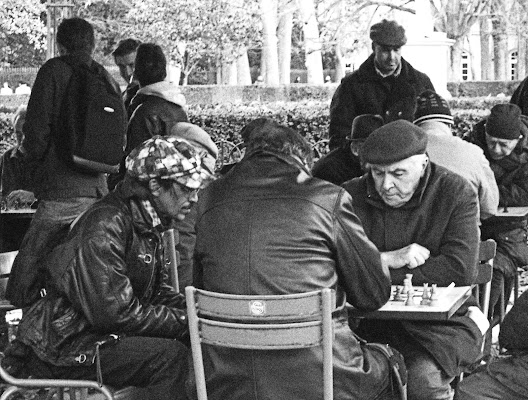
point(154, 110)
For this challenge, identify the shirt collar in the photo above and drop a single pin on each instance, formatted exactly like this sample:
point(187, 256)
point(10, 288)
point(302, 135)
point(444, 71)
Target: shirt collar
point(396, 73)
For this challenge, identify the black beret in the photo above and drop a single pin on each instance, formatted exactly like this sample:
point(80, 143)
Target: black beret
point(394, 142)
point(388, 33)
point(363, 125)
point(504, 122)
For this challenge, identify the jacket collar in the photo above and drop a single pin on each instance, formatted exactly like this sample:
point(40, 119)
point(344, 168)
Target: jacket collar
point(368, 70)
point(375, 199)
point(141, 218)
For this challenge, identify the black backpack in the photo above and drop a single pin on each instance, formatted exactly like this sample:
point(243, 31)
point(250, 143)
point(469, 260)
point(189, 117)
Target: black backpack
point(90, 131)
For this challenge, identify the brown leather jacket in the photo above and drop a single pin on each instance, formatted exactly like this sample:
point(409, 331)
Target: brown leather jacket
point(268, 227)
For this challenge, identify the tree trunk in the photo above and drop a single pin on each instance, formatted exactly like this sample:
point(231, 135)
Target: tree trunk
point(456, 61)
point(269, 57)
point(243, 70)
point(500, 51)
point(284, 33)
point(486, 73)
point(312, 42)
point(339, 63)
point(522, 53)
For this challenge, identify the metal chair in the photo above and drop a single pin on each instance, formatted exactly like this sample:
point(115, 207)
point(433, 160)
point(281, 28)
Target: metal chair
point(482, 288)
point(57, 386)
point(172, 256)
point(260, 323)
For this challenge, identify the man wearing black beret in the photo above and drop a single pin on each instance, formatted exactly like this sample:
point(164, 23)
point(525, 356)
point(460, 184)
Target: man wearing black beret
point(384, 84)
point(503, 138)
point(423, 218)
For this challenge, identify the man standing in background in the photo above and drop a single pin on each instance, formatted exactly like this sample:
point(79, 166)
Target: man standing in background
point(125, 59)
point(384, 84)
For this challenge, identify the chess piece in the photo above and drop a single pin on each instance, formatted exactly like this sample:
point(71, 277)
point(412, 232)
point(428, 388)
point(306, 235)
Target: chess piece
point(410, 298)
point(398, 295)
point(409, 278)
point(425, 295)
point(434, 292)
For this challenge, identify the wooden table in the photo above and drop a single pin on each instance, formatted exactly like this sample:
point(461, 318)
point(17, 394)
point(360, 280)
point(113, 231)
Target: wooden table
point(449, 300)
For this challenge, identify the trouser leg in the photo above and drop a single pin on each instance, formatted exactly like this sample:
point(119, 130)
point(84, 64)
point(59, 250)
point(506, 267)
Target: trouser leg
point(157, 364)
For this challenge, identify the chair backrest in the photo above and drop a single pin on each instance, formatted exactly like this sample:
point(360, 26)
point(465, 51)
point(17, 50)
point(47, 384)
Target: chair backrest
point(172, 256)
point(261, 323)
point(487, 251)
point(6, 262)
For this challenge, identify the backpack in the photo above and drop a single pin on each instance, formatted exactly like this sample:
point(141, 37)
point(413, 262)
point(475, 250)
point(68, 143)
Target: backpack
point(90, 131)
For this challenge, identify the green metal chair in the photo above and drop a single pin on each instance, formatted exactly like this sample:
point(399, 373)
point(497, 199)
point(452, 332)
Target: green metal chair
point(261, 323)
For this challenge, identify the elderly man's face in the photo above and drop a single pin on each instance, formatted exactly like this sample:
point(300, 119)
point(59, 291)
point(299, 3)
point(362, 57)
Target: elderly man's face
point(500, 148)
point(397, 182)
point(387, 58)
point(126, 65)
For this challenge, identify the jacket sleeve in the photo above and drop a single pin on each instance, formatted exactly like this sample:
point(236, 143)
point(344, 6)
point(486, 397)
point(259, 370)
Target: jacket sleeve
point(488, 192)
point(141, 127)
point(358, 262)
point(513, 329)
point(456, 260)
point(513, 186)
point(342, 113)
point(42, 108)
point(97, 283)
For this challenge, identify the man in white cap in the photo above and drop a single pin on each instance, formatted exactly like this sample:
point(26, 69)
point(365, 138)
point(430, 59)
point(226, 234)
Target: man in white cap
point(423, 218)
point(110, 311)
point(385, 84)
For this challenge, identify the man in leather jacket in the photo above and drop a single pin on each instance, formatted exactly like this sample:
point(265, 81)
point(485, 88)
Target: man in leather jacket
point(269, 227)
point(109, 277)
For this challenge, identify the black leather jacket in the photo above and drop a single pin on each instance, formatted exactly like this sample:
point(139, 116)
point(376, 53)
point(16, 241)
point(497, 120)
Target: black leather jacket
point(107, 277)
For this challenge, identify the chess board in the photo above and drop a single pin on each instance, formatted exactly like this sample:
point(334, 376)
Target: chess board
point(449, 299)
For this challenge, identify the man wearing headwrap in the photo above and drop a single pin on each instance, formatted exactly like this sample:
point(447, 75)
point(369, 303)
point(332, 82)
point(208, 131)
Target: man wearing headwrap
point(385, 84)
point(423, 218)
point(109, 277)
point(503, 137)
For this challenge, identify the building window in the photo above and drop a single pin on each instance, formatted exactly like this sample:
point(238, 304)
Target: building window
point(465, 66)
point(513, 65)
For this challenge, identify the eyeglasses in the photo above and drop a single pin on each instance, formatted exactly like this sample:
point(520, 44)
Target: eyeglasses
point(186, 190)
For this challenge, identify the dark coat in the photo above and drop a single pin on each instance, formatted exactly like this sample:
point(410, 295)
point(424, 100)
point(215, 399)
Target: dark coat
point(107, 277)
point(511, 175)
point(53, 178)
point(441, 216)
point(520, 96)
point(267, 228)
point(365, 92)
point(338, 166)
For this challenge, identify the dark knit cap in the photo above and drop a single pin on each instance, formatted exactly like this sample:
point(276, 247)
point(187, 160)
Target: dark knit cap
point(430, 106)
point(394, 142)
point(388, 33)
point(363, 125)
point(504, 122)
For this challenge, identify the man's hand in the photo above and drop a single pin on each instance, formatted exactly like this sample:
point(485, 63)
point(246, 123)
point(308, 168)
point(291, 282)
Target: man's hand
point(411, 256)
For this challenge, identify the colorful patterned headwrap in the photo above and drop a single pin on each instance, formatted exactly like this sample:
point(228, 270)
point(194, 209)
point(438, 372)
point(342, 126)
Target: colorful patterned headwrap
point(167, 158)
